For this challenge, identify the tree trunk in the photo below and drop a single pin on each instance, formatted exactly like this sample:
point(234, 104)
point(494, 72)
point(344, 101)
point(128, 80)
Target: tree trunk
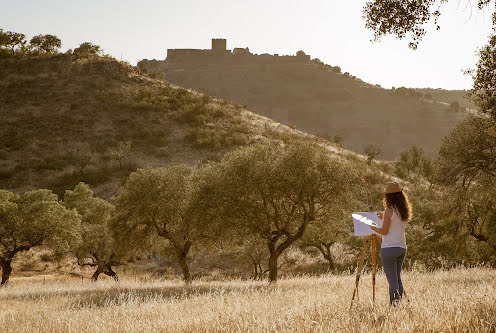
point(273, 266)
point(328, 256)
point(98, 271)
point(331, 262)
point(6, 270)
point(255, 266)
point(110, 272)
point(181, 259)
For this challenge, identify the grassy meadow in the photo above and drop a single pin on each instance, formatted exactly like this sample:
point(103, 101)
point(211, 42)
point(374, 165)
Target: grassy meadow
point(457, 300)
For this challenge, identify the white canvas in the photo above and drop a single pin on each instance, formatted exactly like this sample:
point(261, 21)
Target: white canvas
point(362, 221)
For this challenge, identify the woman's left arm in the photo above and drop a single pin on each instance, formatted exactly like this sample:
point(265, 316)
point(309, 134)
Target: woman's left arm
point(386, 224)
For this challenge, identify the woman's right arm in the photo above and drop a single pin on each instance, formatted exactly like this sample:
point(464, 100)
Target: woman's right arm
point(386, 223)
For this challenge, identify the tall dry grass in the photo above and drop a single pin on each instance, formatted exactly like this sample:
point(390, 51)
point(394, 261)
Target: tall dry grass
point(458, 300)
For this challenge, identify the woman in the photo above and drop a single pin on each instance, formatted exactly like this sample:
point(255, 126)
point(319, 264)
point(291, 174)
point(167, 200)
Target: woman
point(393, 250)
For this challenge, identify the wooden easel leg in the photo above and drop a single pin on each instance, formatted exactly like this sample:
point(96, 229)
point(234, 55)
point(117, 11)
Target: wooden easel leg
point(360, 266)
point(373, 270)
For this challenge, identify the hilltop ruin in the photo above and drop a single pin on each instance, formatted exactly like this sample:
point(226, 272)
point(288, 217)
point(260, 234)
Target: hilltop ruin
point(220, 54)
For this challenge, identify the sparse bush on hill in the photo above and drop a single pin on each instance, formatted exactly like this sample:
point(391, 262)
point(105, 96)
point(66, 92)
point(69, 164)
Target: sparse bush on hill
point(87, 49)
point(372, 151)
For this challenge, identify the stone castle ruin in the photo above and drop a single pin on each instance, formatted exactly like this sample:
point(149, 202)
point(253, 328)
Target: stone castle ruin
point(220, 53)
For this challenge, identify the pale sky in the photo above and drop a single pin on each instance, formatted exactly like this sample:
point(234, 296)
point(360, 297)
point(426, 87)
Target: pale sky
point(330, 30)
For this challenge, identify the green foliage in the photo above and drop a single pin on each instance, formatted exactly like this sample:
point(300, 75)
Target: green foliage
point(371, 151)
point(97, 248)
point(400, 18)
point(33, 219)
point(467, 166)
point(45, 43)
point(485, 78)
point(87, 49)
point(274, 193)
point(159, 204)
point(413, 162)
point(120, 151)
point(13, 41)
point(468, 152)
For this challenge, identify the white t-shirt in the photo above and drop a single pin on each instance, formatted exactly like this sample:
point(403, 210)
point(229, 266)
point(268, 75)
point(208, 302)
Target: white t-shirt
point(396, 235)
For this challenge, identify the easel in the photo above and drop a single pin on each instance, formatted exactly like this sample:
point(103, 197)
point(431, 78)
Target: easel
point(371, 238)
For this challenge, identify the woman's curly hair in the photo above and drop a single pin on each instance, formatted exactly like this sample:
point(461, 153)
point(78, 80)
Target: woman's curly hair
point(400, 202)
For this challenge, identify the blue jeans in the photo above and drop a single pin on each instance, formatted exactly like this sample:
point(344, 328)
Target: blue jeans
point(392, 260)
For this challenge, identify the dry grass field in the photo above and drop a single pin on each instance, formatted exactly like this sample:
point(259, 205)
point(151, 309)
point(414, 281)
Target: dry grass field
point(459, 300)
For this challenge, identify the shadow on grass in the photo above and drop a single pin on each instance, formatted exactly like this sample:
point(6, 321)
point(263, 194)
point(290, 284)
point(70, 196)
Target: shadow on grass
point(115, 296)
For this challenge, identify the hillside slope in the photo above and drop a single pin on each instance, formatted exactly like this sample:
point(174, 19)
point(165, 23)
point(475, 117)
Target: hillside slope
point(318, 99)
point(65, 119)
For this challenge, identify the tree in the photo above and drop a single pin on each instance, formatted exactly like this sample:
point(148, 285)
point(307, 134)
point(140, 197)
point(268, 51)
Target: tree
point(467, 166)
point(468, 152)
point(79, 159)
point(120, 151)
point(480, 213)
point(485, 79)
point(323, 236)
point(274, 193)
point(371, 151)
point(87, 49)
point(455, 106)
point(97, 247)
point(403, 17)
point(158, 204)
point(413, 160)
point(33, 219)
point(45, 43)
point(300, 53)
point(12, 40)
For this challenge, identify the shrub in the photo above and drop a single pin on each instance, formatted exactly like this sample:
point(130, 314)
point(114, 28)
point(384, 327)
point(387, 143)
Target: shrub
point(204, 138)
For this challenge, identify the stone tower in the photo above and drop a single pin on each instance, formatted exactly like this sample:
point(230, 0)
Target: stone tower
point(219, 46)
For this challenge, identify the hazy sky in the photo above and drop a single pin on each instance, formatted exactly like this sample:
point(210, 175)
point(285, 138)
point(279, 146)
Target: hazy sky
point(331, 30)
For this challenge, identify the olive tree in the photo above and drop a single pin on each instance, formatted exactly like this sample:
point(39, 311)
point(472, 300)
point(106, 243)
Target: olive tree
point(468, 152)
point(97, 248)
point(413, 161)
point(275, 192)
point(467, 166)
point(45, 43)
point(159, 204)
point(31, 219)
point(322, 236)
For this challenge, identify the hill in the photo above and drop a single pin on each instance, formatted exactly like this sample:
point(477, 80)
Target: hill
point(448, 96)
point(319, 99)
point(69, 118)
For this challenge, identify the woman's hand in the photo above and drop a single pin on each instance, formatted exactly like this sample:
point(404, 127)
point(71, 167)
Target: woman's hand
point(380, 215)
